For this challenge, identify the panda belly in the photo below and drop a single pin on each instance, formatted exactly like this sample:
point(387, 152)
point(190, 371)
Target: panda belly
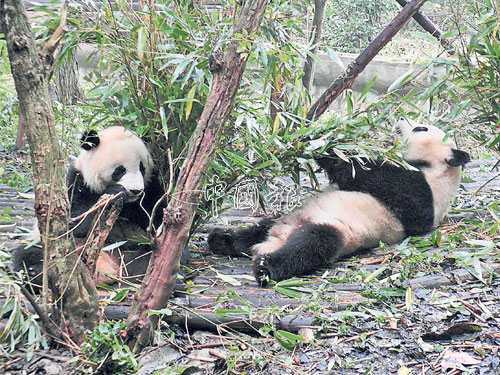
point(360, 219)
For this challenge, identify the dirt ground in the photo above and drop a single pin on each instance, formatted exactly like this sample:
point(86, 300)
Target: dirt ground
point(427, 306)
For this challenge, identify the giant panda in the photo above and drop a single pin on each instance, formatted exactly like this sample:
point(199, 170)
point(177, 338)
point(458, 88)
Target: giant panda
point(112, 161)
point(373, 202)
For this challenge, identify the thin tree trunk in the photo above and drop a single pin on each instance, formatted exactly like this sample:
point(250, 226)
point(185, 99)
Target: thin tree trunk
point(72, 288)
point(346, 80)
point(157, 286)
point(428, 26)
point(316, 30)
point(67, 88)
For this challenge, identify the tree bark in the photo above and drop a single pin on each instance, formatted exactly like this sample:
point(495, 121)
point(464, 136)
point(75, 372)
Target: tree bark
point(160, 278)
point(67, 88)
point(316, 30)
point(346, 80)
point(109, 209)
point(21, 130)
point(72, 288)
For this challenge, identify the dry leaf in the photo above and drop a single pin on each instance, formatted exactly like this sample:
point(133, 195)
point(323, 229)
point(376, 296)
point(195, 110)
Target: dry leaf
point(228, 279)
point(461, 357)
point(307, 334)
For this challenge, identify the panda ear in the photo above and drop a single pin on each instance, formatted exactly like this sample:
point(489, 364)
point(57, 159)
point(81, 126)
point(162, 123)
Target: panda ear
point(89, 140)
point(460, 158)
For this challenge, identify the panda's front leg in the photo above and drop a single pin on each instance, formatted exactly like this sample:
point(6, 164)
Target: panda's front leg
point(309, 248)
point(83, 202)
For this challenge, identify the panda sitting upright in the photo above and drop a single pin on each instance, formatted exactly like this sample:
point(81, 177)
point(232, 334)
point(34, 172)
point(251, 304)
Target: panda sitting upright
point(112, 161)
point(373, 203)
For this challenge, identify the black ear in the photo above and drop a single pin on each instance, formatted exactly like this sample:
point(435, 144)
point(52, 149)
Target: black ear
point(89, 140)
point(460, 158)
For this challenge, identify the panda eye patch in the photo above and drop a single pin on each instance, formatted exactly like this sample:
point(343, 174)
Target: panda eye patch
point(142, 169)
point(419, 129)
point(118, 173)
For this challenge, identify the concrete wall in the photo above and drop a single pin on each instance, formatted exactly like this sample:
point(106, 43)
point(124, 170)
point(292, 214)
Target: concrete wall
point(327, 70)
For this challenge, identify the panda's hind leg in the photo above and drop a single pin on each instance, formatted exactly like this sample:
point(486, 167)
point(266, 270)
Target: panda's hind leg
point(309, 248)
point(237, 242)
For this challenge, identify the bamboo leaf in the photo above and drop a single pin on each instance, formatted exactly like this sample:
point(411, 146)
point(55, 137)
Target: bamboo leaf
point(141, 42)
point(189, 105)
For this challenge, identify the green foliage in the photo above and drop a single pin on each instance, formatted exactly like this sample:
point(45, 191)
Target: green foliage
point(105, 347)
point(350, 25)
point(21, 329)
point(8, 103)
point(461, 88)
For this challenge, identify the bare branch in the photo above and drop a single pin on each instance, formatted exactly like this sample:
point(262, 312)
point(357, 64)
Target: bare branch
point(346, 80)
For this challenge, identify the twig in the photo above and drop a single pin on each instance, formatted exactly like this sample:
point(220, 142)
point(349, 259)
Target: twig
point(7, 364)
point(478, 190)
point(201, 359)
point(358, 336)
point(49, 325)
point(216, 353)
point(49, 52)
point(209, 345)
point(167, 192)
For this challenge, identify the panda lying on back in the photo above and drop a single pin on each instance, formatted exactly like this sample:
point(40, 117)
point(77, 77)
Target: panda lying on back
point(382, 203)
point(112, 161)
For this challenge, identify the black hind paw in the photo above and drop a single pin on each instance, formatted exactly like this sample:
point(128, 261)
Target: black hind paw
point(221, 242)
point(263, 270)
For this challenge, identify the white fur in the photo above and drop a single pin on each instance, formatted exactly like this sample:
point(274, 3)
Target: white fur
point(345, 211)
point(118, 146)
point(432, 147)
point(361, 219)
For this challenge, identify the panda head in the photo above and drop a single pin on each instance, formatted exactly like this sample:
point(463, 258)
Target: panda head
point(114, 156)
point(427, 146)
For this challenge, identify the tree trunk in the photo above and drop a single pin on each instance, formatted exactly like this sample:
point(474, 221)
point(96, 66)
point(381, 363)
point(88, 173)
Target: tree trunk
point(157, 286)
point(67, 87)
point(346, 80)
point(316, 29)
point(72, 288)
point(428, 26)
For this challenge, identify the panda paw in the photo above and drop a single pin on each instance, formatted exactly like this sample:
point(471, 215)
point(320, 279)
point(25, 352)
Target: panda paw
point(116, 189)
point(264, 272)
point(220, 242)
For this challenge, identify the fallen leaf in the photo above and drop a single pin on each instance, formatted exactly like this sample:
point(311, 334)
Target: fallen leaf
point(228, 279)
point(307, 334)
point(461, 357)
point(404, 371)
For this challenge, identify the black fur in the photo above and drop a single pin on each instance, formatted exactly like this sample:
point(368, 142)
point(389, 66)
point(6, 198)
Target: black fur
point(310, 247)
point(237, 243)
point(404, 192)
point(89, 140)
point(460, 158)
point(29, 260)
point(83, 198)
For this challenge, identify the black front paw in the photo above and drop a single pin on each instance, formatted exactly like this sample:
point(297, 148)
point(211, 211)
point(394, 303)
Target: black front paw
point(114, 189)
point(264, 272)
